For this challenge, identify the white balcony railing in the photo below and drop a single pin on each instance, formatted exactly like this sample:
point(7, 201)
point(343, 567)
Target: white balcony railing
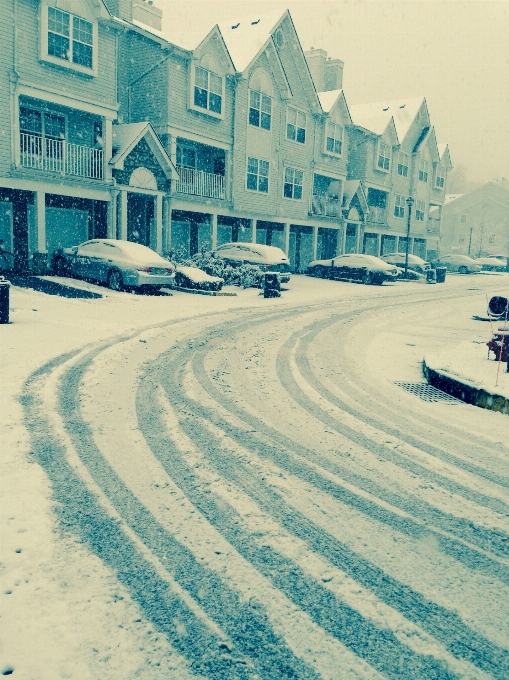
point(199, 183)
point(56, 155)
point(326, 205)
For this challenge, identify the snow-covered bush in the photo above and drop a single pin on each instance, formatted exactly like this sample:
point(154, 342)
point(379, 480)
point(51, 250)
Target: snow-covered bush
point(244, 275)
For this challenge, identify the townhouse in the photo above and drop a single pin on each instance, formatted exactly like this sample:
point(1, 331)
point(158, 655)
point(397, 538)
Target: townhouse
point(477, 223)
point(65, 162)
point(395, 152)
point(111, 129)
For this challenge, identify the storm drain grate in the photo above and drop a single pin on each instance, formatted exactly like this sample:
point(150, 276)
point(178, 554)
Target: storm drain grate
point(427, 392)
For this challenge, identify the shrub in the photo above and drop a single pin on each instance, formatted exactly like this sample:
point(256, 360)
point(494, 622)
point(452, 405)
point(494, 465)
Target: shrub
point(245, 275)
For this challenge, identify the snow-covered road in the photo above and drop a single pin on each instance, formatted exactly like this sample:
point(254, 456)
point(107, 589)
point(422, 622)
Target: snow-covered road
point(273, 504)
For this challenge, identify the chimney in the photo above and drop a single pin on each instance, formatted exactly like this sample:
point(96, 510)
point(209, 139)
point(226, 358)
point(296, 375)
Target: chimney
point(327, 73)
point(145, 12)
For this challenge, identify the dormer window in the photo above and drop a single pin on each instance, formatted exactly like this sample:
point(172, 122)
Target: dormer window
point(68, 40)
point(260, 100)
point(423, 171)
point(334, 139)
point(384, 156)
point(207, 87)
point(296, 125)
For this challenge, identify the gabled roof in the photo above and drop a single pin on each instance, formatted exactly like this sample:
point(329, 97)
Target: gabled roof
point(128, 135)
point(329, 100)
point(215, 37)
point(445, 156)
point(376, 115)
point(350, 189)
point(247, 37)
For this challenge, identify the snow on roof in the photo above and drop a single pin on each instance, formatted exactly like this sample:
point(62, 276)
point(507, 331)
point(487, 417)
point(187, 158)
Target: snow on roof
point(451, 197)
point(441, 149)
point(375, 116)
point(124, 135)
point(146, 27)
point(246, 36)
point(328, 99)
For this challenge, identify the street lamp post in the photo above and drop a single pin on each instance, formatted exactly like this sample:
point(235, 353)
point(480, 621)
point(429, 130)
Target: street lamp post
point(409, 202)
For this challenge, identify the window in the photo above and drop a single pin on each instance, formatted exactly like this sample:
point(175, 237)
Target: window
point(334, 139)
point(403, 164)
point(384, 156)
point(70, 38)
point(296, 125)
point(293, 183)
point(257, 175)
point(461, 239)
point(41, 132)
point(399, 206)
point(419, 210)
point(463, 219)
point(423, 171)
point(186, 157)
point(260, 109)
point(440, 177)
point(208, 90)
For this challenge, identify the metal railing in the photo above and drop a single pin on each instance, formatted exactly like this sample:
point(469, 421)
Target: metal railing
point(376, 214)
point(323, 204)
point(199, 183)
point(56, 155)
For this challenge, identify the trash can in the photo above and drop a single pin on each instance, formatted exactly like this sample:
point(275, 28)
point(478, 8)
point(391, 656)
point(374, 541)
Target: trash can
point(431, 276)
point(4, 299)
point(271, 286)
point(441, 273)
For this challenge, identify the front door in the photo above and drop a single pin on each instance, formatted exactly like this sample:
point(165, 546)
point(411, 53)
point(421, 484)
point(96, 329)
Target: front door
point(140, 218)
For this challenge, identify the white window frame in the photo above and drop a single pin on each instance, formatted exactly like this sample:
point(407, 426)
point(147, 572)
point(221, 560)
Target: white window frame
point(403, 163)
point(383, 151)
point(439, 177)
point(298, 127)
point(260, 110)
point(67, 63)
point(200, 109)
point(423, 171)
point(420, 210)
point(293, 183)
point(399, 205)
point(336, 133)
point(258, 175)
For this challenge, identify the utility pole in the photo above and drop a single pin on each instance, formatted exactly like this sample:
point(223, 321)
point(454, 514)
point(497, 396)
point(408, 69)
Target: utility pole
point(470, 239)
point(409, 202)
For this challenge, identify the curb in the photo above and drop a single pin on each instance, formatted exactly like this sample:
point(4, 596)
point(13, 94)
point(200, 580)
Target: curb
point(197, 291)
point(475, 396)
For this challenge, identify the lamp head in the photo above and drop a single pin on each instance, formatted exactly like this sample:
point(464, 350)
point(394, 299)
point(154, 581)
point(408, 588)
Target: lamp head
point(409, 201)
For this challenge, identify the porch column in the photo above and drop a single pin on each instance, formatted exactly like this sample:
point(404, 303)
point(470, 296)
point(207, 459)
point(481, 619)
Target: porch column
point(40, 220)
point(159, 223)
point(253, 231)
point(123, 215)
point(167, 223)
point(111, 229)
point(173, 149)
point(287, 239)
point(213, 221)
point(315, 241)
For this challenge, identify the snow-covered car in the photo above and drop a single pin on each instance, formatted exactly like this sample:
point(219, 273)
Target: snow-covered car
point(459, 263)
point(367, 269)
point(266, 258)
point(197, 279)
point(417, 264)
point(492, 264)
point(119, 264)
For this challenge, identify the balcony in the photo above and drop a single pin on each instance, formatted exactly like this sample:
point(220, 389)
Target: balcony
point(326, 205)
point(199, 183)
point(56, 155)
point(377, 215)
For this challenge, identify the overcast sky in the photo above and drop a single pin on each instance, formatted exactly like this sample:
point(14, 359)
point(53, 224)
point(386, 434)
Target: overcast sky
point(454, 52)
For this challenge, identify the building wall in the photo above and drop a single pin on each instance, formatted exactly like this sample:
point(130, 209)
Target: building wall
point(6, 59)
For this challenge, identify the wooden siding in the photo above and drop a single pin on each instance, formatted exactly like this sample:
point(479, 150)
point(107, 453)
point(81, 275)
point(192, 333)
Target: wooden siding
point(6, 59)
point(101, 88)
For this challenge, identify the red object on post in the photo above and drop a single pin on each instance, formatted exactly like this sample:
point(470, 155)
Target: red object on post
point(499, 345)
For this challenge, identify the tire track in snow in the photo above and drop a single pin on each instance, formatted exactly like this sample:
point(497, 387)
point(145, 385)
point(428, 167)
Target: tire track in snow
point(472, 640)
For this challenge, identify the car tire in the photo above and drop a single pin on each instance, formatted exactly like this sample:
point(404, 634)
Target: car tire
point(115, 280)
point(60, 267)
point(462, 269)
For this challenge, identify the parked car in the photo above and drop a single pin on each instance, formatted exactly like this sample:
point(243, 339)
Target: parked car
point(120, 264)
point(266, 258)
point(197, 279)
point(490, 263)
point(415, 263)
point(459, 263)
point(354, 267)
